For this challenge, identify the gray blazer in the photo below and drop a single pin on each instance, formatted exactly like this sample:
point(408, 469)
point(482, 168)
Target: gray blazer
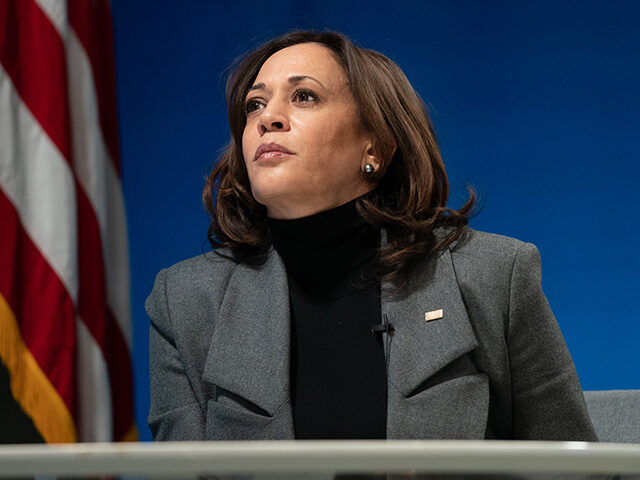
point(494, 366)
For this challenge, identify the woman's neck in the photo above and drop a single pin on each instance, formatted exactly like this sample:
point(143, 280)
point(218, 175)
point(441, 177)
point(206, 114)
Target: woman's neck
point(325, 245)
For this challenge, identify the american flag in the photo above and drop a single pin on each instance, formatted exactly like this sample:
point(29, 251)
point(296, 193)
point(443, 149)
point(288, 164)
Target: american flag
point(65, 321)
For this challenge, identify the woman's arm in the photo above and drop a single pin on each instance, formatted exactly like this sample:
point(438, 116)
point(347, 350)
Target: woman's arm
point(174, 413)
point(548, 403)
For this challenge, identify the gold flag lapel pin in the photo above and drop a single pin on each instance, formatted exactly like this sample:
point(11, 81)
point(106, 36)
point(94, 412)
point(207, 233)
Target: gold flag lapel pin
point(433, 315)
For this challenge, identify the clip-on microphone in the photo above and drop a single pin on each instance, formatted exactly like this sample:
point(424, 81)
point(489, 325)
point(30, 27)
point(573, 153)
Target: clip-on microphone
point(383, 327)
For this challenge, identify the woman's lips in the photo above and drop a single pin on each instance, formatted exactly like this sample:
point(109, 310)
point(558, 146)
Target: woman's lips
point(271, 155)
point(271, 147)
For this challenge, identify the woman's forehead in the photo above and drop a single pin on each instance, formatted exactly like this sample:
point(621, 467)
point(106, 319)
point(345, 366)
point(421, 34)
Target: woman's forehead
point(305, 59)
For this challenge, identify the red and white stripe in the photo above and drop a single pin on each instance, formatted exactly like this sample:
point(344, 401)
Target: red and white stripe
point(60, 171)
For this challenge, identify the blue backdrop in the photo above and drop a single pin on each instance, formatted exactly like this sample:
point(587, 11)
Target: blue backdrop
point(535, 103)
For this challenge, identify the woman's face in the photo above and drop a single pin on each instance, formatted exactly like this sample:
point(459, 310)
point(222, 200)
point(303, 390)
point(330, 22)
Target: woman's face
point(301, 101)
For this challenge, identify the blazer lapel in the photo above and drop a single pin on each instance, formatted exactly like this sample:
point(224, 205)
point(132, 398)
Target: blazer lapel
point(434, 388)
point(248, 360)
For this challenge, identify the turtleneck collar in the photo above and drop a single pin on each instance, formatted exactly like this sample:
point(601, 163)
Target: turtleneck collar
point(325, 245)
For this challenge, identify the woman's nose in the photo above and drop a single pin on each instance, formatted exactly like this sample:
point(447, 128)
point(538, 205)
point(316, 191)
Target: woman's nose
point(273, 117)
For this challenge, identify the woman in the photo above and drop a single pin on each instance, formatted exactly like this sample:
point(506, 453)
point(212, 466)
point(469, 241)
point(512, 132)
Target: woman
point(343, 299)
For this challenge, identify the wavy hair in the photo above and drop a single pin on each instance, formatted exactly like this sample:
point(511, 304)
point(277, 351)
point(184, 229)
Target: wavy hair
point(411, 188)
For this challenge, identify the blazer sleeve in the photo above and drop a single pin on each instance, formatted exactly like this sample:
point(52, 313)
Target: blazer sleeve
point(548, 403)
point(174, 412)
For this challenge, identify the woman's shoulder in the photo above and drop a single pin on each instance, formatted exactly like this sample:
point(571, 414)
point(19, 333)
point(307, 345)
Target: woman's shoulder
point(489, 255)
point(201, 267)
point(195, 277)
point(489, 268)
point(490, 245)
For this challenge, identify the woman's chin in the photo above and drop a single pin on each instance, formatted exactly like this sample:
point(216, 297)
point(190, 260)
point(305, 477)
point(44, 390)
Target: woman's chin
point(272, 199)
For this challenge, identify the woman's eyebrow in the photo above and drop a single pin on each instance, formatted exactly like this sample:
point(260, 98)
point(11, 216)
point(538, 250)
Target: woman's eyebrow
point(293, 79)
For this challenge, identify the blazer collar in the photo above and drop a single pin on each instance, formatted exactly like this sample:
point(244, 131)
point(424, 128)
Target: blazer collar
point(249, 352)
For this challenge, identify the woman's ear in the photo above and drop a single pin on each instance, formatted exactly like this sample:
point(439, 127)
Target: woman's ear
point(370, 157)
point(373, 154)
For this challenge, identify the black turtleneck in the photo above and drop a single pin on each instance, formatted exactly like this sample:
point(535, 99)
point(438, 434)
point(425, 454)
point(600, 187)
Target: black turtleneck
point(338, 381)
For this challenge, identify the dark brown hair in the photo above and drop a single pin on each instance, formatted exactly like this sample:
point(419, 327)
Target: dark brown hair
point(411, 187)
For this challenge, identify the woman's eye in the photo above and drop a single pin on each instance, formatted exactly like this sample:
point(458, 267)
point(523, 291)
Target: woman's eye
point(251, 105)
point(305, 95)
point(302, 96)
